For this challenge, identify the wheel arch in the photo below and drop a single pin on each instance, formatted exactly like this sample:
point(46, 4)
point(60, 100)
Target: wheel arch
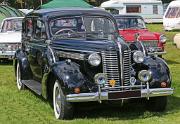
point(60, 71)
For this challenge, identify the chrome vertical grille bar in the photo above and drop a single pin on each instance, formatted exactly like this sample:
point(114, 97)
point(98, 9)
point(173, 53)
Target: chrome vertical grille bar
point(127, 67)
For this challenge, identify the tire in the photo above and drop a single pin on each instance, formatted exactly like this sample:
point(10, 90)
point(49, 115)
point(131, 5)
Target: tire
point(62, 108)
point(19, 83)
point(157, 104)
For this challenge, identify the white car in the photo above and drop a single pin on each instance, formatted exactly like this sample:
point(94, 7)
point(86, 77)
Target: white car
point(10, 36)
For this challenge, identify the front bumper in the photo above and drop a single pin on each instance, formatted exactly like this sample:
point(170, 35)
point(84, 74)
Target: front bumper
point(7, 54)
point(100, 96)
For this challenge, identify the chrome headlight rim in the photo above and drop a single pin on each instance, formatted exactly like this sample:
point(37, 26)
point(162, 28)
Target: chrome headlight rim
point(145, 75)
point(138, 56)
point(162, 38)
point(94, 59)
point(100, 78)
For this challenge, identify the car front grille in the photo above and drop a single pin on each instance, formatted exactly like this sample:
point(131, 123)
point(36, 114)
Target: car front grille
point(152, 43)
point(112, 68)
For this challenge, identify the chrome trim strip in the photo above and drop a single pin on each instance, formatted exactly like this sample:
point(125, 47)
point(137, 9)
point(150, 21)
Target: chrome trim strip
point(135, 86)
point(71, 55)
point(121, 63)
point(144, 51)
point(86, 97)
point(54, 59)
point(74, 50)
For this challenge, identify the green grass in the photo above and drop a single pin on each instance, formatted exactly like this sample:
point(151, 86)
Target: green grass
point(27, 108)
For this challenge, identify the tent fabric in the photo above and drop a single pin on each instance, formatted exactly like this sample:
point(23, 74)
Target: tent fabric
point(7, 11)
point(66, 3)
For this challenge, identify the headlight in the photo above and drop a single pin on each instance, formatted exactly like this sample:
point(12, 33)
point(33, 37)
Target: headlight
point(145, 75)
point(94, 59)
point(100, 79)
point(138, 57)
point(162, 39)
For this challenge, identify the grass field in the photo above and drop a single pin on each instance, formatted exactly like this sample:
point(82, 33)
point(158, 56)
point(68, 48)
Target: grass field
point(27, 108)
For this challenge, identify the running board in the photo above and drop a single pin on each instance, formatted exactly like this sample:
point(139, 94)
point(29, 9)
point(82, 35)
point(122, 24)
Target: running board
point(33, 85)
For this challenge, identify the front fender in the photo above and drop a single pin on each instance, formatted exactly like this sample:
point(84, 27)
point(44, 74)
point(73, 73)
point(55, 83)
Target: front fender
point(160, 71)
point(69, 73)
point(21, 58)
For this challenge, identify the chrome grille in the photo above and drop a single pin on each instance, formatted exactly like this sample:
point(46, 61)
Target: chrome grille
point(151, 43)
point(110, 66)
point(127, 67)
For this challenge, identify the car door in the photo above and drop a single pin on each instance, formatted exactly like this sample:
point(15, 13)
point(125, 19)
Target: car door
point(36, 48)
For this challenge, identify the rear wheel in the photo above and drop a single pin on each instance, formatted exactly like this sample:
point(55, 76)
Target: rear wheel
point(157, 104)
point(62, 108)
point(19, 83)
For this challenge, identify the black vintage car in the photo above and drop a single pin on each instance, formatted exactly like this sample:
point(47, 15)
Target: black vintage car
point(76, 55)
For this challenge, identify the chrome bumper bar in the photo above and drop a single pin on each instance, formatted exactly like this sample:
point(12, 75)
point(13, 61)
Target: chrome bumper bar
point(100, 96)
point(157, 53)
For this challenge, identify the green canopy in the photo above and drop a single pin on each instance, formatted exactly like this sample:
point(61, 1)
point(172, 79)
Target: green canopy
point(66, 3)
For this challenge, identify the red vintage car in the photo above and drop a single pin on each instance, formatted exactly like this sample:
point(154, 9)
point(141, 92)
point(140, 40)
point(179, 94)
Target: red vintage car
point(130, 25)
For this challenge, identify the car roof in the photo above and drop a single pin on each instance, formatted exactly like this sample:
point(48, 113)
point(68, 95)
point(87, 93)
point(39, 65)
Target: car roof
point(69, 10)
point(127, 16)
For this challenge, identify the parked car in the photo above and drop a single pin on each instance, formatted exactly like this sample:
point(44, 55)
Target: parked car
point(129, 25)
point(10, 37)
point(76, 55)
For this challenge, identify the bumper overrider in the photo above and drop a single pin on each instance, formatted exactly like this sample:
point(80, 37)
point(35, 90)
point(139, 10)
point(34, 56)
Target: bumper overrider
point(114, 95)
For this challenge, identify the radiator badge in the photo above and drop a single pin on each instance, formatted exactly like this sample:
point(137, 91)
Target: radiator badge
point(112, 83)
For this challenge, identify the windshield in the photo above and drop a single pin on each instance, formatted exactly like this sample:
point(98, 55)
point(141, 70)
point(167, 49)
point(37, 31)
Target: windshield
point(173, 12)
point(125, 23)
point(82, 27)
point(12, 25)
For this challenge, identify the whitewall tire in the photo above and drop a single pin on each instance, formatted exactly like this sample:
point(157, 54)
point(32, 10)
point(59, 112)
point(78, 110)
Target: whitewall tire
point(19, 83)
point(62, 109)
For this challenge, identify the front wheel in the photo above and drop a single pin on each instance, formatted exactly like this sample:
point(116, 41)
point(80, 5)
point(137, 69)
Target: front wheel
point(19, 83)
point(62, 108)
point(157, 104)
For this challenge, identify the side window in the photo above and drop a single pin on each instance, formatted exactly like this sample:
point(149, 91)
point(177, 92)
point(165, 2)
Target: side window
point(155, 9)
point(133, 8)
point(29, 27)
point(39, 29)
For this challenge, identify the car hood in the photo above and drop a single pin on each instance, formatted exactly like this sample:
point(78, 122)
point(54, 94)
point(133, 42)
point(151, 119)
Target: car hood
point(83, 45)
point(145, 35)
point(10, 37)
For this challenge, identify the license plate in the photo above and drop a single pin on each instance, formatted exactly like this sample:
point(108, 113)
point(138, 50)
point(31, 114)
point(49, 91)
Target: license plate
point(124, 94)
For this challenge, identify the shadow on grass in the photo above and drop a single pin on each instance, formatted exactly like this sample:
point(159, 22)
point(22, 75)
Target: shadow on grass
point(171, 62)
point(6, 62)
point(134, 109)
